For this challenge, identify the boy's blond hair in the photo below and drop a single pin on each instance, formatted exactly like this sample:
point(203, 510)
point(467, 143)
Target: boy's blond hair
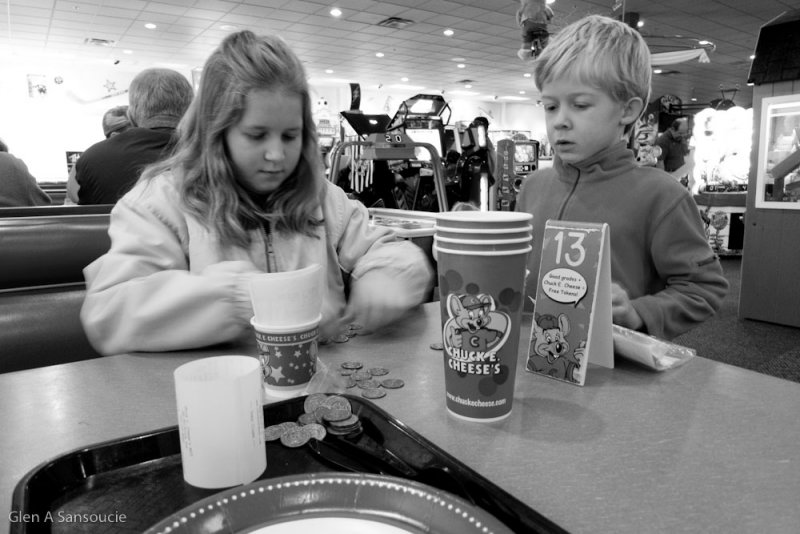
point(602, 52)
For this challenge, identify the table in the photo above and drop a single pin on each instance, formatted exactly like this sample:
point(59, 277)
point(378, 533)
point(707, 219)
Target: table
point(706, 447)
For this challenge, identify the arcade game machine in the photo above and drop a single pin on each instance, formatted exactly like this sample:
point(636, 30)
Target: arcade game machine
point(328, 134)
point(381, 144)
point(515, 160)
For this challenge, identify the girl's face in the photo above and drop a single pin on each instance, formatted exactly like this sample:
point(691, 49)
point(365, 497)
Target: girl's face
point(265, 145)
point(583, 120)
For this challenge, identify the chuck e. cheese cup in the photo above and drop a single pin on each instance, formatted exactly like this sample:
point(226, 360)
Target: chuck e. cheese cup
point(481, 288)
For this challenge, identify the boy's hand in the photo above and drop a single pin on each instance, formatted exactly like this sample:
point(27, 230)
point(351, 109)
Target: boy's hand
point(377, 300)
point(622, 311)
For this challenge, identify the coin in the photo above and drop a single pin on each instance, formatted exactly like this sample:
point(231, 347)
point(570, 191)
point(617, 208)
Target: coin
point(316, 431)
point(296, 437)
point(312, 401)
point(344, 423)
point(273, 432)
point(373, 393)
point(341, 338)
point(392, 383)
point(336, 414)
point(368, 384)
point(352, 365)
point(351, 383)
point(362, 375)
point(378, 371)
point(338, 402)
point(346, 372)
point(307, 419)
point(354, 326)
point(437, 346)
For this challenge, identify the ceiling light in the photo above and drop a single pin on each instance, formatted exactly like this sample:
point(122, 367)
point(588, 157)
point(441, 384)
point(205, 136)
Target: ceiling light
point(150, 26)
point(693, 99)
point(448, 32)
point(522, 92)
point(657, 71)
point(463, 93)
point(518, 98)
point(703, 42)
point(752, 56)
point(328, 71)
point(461, 66)
point(127, 51)
point(468, 86)
point(336, 12)
point(527, 75)
point(640, 23)
point(458, 59)
point(378, 54)
point(551, 1)
point(404, 79)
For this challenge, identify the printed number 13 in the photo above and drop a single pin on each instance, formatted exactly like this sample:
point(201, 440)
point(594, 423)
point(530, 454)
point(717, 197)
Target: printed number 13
point(576, 246)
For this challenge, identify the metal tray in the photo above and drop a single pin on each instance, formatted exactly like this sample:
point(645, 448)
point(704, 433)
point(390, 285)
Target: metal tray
point(141, 477)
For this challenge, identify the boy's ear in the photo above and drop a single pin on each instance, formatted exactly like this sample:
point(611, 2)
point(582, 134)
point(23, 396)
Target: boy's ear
point(631, 110)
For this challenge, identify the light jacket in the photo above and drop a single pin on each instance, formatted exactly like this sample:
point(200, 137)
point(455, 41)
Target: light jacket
point(659, 250)
point(168, 283)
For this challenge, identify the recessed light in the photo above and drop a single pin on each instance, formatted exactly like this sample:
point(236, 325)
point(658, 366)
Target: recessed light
point(150, 26)
point(468, 86)
point(228, 27)
point(378, 54)
point(522, 92)
point(693, 99)
point(753, 56)
point(640, 24)
point(328, 71)
point(657, 71)
point(336, 12)
point(404, 79)
point(527, 75)
point(703, 42)
point(127, 51)
point(448, 32)
point(461, 66)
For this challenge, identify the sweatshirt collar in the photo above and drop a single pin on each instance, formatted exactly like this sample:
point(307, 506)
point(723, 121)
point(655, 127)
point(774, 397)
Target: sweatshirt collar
point(607, 163)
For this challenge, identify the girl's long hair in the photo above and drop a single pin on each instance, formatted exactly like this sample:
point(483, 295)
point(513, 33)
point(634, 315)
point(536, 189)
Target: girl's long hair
point(243, 63)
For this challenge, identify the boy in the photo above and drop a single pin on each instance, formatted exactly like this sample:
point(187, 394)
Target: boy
point(594, 77)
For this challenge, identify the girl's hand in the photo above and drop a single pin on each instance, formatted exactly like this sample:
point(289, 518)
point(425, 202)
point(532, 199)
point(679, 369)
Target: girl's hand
point(377, 300)
point(622, 311)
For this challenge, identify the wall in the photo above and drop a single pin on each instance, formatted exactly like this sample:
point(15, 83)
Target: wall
point(40, 128)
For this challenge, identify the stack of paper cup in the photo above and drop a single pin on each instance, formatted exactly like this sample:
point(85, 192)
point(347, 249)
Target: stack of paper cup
point(287, 314)
point(481, 261)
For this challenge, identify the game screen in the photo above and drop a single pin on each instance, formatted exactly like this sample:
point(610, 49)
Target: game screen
point(425, 136)
point(524, 153)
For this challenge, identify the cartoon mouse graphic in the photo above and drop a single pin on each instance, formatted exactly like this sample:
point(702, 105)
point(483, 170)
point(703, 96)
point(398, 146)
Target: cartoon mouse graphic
point(550, 349)
point(474, 325)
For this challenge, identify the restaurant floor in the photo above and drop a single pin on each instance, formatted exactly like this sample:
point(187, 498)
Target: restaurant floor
point(763, 347)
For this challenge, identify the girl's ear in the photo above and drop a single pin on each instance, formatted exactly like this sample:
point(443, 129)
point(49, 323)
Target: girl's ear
point(631, 110)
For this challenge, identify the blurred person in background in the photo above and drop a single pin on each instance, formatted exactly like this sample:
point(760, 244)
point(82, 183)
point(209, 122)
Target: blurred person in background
point(157, 99)
point(115, 121)
point(17, 186)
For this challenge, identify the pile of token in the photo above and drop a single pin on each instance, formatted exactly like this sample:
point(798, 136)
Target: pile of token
point(367, 380)
point(344, 336)
point(322, 414)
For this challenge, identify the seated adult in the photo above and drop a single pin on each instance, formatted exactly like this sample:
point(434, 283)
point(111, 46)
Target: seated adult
point(157, 99)
point(17, 186)
point(115, 121)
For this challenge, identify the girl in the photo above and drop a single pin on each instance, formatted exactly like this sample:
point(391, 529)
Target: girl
point(244, 192)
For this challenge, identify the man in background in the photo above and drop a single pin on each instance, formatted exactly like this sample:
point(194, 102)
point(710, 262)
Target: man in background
point(17, 186)
point(674, 144)
point(157, 99)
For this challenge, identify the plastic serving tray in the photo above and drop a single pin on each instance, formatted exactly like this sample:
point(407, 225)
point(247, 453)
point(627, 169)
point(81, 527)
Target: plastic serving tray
point(141, 476)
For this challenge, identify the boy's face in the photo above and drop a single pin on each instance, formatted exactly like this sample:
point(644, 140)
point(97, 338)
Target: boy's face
point(583, 120)
point(265, 145)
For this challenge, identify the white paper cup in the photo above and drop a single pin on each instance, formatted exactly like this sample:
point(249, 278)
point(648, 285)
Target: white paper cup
point(287, 298)
point(221, 421)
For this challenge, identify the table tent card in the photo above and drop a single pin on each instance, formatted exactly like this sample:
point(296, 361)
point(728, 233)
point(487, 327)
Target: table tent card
point(572, 312)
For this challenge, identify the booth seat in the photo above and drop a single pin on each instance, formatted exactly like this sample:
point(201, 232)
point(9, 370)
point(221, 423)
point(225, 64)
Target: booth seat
point(42, 287)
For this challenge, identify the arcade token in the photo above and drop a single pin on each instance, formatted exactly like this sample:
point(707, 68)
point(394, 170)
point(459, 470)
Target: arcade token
point(316, 431)
point(295, 437)
point(307, 419)
point(392, 383)
point(373, 393)
point(336, 414)
point(346, 372)
point(362, 375)
point(338, 402)
point(437, 346)
point(313, 401)
point(378, 371)
point(352, 365)
point(273, 433)
point(368, 384)
point(351, 383)
point(341, 338)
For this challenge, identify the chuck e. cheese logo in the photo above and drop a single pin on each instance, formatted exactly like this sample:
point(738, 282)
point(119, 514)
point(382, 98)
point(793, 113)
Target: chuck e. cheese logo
point(474, 333)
